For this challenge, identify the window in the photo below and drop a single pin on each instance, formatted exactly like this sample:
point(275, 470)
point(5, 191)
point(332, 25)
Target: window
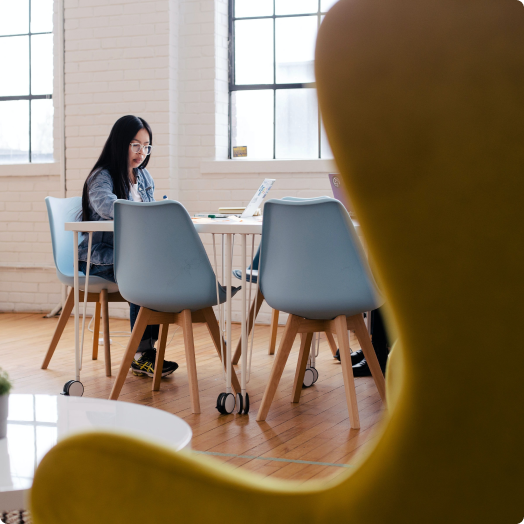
point(273, 108)
point(26, 82)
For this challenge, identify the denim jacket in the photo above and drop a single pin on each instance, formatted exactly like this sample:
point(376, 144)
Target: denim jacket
point(102, 200)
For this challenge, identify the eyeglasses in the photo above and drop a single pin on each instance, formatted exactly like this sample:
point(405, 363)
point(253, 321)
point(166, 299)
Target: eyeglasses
point(136, 148)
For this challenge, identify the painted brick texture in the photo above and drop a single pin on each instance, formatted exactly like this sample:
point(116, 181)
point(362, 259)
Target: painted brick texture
point(164, 60)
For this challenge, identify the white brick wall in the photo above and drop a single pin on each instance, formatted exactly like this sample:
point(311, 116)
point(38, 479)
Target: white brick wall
point(164, 60)
point(116, 63)
point(27, 274)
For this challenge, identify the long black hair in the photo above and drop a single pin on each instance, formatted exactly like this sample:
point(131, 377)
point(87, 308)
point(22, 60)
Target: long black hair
point(115, 157)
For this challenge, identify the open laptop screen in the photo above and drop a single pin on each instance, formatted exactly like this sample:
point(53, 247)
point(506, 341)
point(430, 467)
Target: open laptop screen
point(258, 198)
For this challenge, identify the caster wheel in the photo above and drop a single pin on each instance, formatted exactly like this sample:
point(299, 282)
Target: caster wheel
point(240, 403)
point(315, 373)
point(243, 404)
point(309, 378)
point(73, 388)
point(226, 403)
point(220, 403)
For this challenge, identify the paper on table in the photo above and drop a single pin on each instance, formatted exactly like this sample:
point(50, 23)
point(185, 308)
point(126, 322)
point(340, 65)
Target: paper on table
point(262, 192)
point(217, 220)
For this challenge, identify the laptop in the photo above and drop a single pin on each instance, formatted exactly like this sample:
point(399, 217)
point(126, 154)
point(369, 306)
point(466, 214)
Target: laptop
point(258, 198)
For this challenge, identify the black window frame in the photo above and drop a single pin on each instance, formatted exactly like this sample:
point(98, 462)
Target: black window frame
point(275, 86)
point(29, 97)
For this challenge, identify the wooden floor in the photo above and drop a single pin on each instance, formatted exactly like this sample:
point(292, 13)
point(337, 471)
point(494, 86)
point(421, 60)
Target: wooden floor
point(309, 440)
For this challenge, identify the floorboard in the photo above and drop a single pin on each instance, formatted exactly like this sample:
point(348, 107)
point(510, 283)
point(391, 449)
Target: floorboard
point(310, 440)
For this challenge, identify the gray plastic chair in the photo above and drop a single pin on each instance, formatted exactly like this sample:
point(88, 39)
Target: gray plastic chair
point(162, 266)
point(259, 299)
point(100, 291)
point(323, 289)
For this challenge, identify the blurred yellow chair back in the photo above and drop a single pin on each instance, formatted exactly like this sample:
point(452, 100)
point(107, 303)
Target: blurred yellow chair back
point(423, 103)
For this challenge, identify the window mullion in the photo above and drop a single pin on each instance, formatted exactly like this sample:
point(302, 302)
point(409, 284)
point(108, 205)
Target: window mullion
point(274, 82)
point(318, 105)
point(30, 92)
point(25, 34)
point(231, 71)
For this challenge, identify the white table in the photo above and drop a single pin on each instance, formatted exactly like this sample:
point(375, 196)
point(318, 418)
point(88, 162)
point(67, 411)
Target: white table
point(37, 422)
point(226, 227)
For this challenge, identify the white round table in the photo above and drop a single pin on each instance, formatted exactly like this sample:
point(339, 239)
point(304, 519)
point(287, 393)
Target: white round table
point(37, 422)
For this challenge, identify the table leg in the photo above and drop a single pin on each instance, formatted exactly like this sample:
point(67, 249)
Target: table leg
point(77, 300)
point(229, 262)
point(86, 293)
point(222, 306)
point(243, 377)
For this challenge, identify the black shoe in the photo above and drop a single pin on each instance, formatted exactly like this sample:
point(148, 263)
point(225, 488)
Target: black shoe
point(356, 356)
point(145, 365)
point(361, 369)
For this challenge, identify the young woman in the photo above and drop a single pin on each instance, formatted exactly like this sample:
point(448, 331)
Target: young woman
point(120, 173)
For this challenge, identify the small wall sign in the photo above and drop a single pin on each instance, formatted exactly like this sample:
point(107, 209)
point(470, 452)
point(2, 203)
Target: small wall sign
point(239, 151)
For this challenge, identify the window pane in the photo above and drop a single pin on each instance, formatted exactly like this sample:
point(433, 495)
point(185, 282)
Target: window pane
point(253, 8)
point(41, 16)
point(14, 51)
point(41, 131)
point(295, 7)
point(326, 5)
point(252, 122)
point(295, 49)
point(15, 17)
point(325, 149)
point(42, 65)
point(297, 123)
point(14, 132)
point(254, 52)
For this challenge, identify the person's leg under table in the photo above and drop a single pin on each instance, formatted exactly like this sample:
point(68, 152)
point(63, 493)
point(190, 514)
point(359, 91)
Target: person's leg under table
point(380, 337)
point(107, 272)
point(380, 344)
point(146, 353)
point(145, 357)
point(150, 336)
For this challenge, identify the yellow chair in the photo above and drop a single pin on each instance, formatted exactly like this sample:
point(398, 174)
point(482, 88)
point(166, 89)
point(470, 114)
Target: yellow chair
point(424, 108)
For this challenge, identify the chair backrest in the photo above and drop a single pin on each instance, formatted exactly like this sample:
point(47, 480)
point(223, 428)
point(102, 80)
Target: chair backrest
point(312, 263)
point(290, 199)
point(159, 259)
point(60, 211)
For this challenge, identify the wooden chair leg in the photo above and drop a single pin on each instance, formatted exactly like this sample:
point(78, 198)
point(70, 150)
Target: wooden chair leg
point(62, 321)
point(96, 330)
point(105, 322)
point(332, 344)
point(279, 364)
point(134, 341)
point(160, 352)
point(187, 327)
point(273, 331)
point(362, 333)
point(258, 301)
point(305, 347)
point(214, 331)
point(347, 370)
